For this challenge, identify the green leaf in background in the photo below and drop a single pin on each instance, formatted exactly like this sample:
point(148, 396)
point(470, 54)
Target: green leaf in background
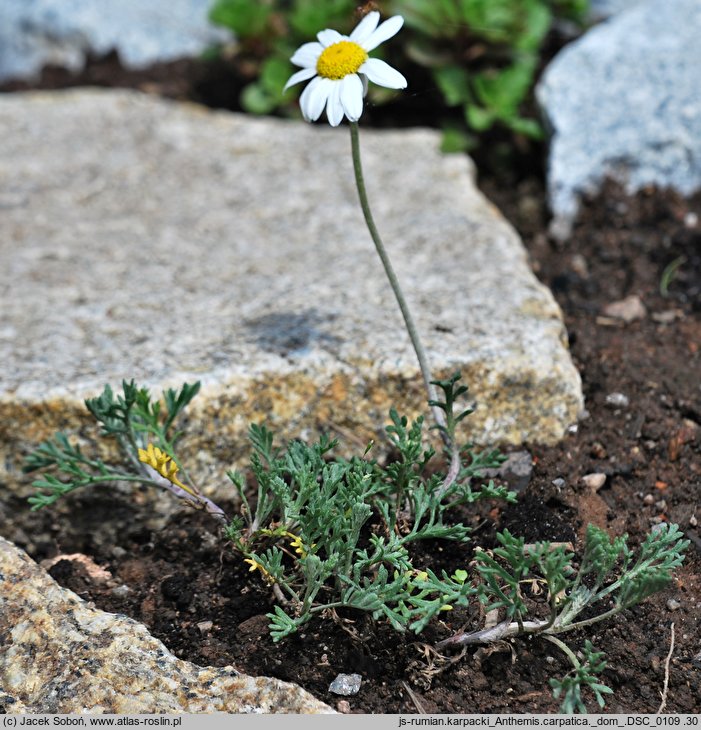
point(483, 54)
point(453, 82)
point(478, 118)
point(457, 139)
point(308, 17)
point(434, 18)
point(245, 17)
point(538, 21)
point(527, 127)
point(503, 91)
point(273, 76)
point(256, 100)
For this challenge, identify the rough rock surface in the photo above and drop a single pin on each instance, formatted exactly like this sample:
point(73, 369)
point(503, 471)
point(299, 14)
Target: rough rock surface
point(600, 9)
point(64, 32)
point(142, 238)
point(623, 101)
point(58, 655)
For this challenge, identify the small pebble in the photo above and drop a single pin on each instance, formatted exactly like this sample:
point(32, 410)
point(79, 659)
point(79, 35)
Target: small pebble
point(205, 626)
point(346, 684)
point(118, 552)
point(516, 470)
point(661, 504)
point(648, 499)
point(343, 706)
point(120, 591)
point(628, 309)
point(559, 482)
point(693, 521)
point(579, 265)
point(673, 604)
point(696, 660)
point(594, 481)
point(668, 316)
point(617, 400)
point(691, 220)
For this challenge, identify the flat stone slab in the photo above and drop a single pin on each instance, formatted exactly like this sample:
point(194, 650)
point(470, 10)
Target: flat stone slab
point(59, 655)
point(624, 102)
point(145, 239)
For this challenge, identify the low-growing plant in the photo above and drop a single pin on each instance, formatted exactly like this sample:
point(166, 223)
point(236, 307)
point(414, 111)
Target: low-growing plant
point(305, 529)
point(326, 533)
point(482, 55)
point(323, 509)
point(608, 579)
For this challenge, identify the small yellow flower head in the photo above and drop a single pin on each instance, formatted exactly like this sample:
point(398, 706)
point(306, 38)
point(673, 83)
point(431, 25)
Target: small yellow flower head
point(255, 565)
point(298, 545)
point(446, 607)
point(163, 464)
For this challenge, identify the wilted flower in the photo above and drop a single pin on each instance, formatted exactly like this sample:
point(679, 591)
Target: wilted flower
point(340, 69)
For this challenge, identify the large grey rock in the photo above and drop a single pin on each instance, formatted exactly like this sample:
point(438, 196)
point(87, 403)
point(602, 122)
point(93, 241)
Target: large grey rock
point(600, 9)
point(624, 101)
point(63, 32)
point(142, 238)
point(60, 656)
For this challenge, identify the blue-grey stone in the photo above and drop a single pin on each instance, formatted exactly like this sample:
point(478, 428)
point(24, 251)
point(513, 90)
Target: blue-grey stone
point(625, 102)
point(600, 9)
point(34, 33)
point(346, 684)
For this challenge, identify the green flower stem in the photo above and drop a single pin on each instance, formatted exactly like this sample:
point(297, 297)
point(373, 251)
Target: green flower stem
point(565, 649)
point(589, 621)
point(394, 282)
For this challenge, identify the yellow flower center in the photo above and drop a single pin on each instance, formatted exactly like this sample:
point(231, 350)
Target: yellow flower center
point(340, 59)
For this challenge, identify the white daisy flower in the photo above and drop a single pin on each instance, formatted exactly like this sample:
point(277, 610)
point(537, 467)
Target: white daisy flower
point(340, 68)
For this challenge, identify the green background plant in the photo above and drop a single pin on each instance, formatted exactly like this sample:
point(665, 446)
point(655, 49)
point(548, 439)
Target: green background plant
point(481, 55)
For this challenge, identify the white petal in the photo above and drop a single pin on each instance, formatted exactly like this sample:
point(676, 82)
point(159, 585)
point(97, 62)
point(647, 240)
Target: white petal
point(303, 75)
point(364, 79)
point(382, 74)
point(352, 96)
point(307, 55)
point(328, 37)
point(314, 98)
point(389, 28)
point(364, 29)
point(334, 109)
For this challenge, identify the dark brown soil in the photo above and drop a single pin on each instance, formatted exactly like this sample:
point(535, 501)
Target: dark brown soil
point(195, 595)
